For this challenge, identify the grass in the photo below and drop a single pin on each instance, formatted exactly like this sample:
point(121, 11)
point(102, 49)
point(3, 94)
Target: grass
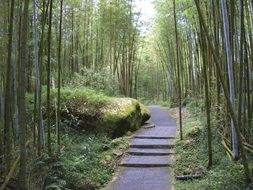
point(192, 158)
point(71, 97)
point(82, 94)
point(87, 161)
point(167, 103)
point(89, 154)
point(164, 103)
point(87, 109)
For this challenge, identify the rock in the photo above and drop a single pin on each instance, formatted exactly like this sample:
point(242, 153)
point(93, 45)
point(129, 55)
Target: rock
point(53, 187)
point(62, 183)
point(88, 110)
point(121, 116)
point(129, 133)
point(145, 113)
point(57, 165)
point(116, 141)
point(118, 153)
point(187, 143)
point(148, 125)
point(105, 159)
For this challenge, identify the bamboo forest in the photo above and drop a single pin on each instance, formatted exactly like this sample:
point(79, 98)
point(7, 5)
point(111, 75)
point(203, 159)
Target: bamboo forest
point(126, 94)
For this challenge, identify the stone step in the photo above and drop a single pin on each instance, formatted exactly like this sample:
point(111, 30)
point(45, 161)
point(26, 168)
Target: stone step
point(151, 143)
point(157, 178)
point(148, 125)
point(157, 132)
point(147, 161)
point(150, 152)
point(151, 137)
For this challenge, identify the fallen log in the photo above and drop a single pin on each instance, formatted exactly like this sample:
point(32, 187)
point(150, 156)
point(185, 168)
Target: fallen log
point(189, 177)
point(12, 170)
point(228, 151)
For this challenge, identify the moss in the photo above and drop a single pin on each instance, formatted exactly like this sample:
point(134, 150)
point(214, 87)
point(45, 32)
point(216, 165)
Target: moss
point(145, 113)
point(193, 131)
point(122, 115)
point(83, 96)
point(89, 110)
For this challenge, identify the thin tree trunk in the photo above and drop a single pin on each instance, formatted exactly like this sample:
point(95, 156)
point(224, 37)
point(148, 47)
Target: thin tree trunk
point(178, 73)
point(247, 171)
point(59, 79)
point(241, 63)
point(14, 70)
point(207, 101)
point(22, 101)
point(41, 131)
point(37, 69)
point(48, 79)
point(7, 106)
point(231, 75)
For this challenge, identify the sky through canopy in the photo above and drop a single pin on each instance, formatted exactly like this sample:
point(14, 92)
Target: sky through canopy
point(147, 10)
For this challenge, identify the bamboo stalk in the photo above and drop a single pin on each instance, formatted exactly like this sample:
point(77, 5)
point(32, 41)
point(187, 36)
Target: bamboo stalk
point(247, 170)
point(228, 151)
point(8, 177)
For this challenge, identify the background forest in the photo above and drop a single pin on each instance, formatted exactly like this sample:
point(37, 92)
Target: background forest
point(196, 53)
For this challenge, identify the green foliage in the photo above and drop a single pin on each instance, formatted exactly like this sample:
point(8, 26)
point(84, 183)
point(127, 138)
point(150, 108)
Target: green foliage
point(91, 110)
point(77, 98)
point(88, 160)
point(195, 106)
point(193, 131)
point(192, 158)
point(164, 104)
point(81, 95)
point(95, 79)
point(30, 103)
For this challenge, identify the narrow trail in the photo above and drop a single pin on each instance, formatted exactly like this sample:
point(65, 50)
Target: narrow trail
point(147, 165)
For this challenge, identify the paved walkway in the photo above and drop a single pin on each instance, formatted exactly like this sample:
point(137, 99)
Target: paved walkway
point(147, 163)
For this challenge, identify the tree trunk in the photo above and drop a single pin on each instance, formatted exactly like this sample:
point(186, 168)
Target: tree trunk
point(48, 78)
point(178, 73)
point(230, 74)
point(59, 78)
point(247, 171)
point(7, 106)
point(22, 101)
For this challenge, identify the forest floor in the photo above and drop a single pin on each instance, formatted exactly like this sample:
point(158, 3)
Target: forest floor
point(100, 156)
point(87, 161)
point(192, 156)
point(147, 164)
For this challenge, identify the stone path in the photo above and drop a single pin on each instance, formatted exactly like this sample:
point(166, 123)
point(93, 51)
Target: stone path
point(147, 163)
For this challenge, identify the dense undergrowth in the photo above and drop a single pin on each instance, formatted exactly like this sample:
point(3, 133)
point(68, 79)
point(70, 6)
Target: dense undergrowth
point(93, 138)
point(85, 162)
point(192, 157)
